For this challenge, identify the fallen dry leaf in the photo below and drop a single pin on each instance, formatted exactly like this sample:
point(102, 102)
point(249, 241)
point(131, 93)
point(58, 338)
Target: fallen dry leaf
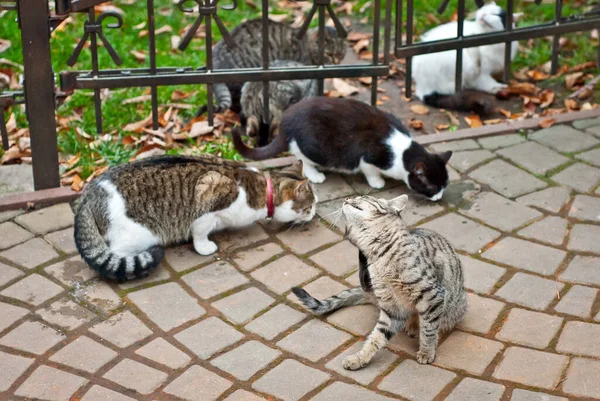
point(365, 80)
point(128, 140)
point(139, 26)
point(571, 104)
point(584, 66)
point(419, 109)
point(175, 41)
point(77, 184)
point(572, 79)
point(357, 36)
point(442, 127)
point(453, 119)
point(137, 99)
point(149, 151)
point(385, 98)
point(11, 124)
point(537, 75)
point(137, 126)
point(278, 17)
point(346, 7)
point(522, 88)
point(547, 123)
point(505, 113)
point(361, 45)
point(251, 4)
point(108, 8)
point(4, 44)
point(492, 121)
point(139, 56)
point(473, 120)
point(585, 93)
point(588, 106)
point(415, 123)
point(164, 29)
point(344, 88)
point(547, 97)
point(198, 129)
point(521, 75)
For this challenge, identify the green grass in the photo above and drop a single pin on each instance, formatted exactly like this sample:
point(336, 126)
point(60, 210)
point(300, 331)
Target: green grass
point(127, 38)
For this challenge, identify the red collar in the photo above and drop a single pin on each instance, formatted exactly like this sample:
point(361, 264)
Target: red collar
point(270, 205)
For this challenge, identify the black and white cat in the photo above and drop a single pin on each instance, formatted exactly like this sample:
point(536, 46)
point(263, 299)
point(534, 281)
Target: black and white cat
point(434, 73)
point(349, 136)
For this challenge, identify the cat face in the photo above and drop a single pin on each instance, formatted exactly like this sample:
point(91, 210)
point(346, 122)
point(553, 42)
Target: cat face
point(429, 176)
point(367, 214)
point(295, 199)
point(493, 18)
point(335, 46)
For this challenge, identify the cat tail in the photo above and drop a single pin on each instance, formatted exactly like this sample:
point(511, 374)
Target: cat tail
point(277, 146)
point(96, 253)
point(353, 296)
point(467, 100)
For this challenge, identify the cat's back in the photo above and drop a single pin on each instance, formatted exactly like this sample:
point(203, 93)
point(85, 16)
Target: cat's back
point(247, 49)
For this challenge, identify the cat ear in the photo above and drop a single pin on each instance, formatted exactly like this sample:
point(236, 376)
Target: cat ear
point(295, 170)
point(419, 169)
point(446, 156)
point(302, 191)
point(399, 203)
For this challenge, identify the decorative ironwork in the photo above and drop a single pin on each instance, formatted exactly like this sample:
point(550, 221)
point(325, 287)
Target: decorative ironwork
point(95, 29)
point(207, 11)
point(322, 5)
point(7, 99)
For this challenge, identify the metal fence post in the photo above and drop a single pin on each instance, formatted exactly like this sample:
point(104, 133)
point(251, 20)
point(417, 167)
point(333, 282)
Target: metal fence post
point(39, 92)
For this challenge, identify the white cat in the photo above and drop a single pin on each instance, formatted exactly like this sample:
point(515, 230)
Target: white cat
point(434, 73)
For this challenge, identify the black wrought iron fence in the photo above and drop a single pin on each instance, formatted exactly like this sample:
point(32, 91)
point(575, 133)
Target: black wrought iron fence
point(41, 94)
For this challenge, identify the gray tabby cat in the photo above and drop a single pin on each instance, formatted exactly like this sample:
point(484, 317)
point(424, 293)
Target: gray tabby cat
point(283, 45)
point(126, 215)
point(282, 94)
point(414, 275)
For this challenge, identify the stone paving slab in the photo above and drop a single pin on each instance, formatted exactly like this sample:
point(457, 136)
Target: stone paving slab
point(225, 327)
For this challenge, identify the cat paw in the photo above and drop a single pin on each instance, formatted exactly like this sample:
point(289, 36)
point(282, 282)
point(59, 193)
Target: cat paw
point(425, 357)
point(353, 362)
point(376, 182)
point(497, 88)
point(316, 177)
point(205, 247)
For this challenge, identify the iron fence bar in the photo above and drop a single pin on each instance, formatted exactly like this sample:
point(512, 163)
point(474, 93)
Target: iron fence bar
point(398, 37)
point(95, 68)
point(409, 42)
point(510, 8)
point(39, 91)
point(209, 63)
point(152, 50)
point(320, 82)
point(556, 38)
point(459, 52)
point(221, 76)
point(387, 31)
point(263, 137)
point(3, 130)
point(533, 32)
point(376, 22)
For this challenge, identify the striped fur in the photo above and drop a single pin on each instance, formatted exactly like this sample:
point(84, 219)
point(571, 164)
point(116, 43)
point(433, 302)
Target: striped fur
point(128, 214)
point(415, 275)
point(283, 45)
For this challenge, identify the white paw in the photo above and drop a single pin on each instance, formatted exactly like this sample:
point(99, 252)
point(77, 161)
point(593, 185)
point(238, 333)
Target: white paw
point(425, 357)
point(353, 362)
point(497, 88)
point(376, 182)
point(205, 247)
point(315, 177)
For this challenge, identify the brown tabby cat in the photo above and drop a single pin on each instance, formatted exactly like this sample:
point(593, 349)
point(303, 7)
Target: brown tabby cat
point(126, 215)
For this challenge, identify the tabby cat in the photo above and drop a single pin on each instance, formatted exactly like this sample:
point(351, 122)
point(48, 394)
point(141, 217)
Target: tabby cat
point(126, 215)
point(414, 275)
point(282, 94)
point(349, 136)
point(283, 45)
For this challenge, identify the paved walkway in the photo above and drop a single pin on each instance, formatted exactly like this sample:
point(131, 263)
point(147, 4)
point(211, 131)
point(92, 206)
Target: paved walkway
point(524, 214)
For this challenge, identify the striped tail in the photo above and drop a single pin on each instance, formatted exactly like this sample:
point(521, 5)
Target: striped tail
point(97, 254)
point(353, 296)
